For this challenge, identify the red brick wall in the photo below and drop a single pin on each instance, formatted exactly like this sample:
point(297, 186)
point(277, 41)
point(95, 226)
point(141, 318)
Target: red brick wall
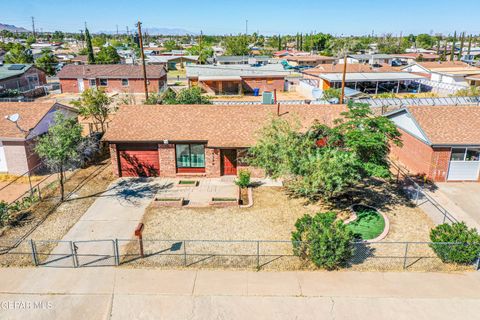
point(263, 84)
point(115, 85)
point(114, 159)
point(212, 162)
point(439, 165)
point(415, 154)
point(166, 156)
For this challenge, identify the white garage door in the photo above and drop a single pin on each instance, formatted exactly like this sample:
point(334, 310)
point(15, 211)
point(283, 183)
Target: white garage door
point(3, 160)
point(464, 164)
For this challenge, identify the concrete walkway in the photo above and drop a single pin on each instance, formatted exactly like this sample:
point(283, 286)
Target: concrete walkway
point(114, 214)
point(120, 293)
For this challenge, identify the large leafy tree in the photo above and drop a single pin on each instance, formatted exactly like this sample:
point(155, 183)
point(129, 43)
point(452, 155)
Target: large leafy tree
point(18, 54)
point(170, 45)
point(60, 148)
point(95, 104)
point(90, 54)
point(47, 62)
point(237, 45)
point(324, 161)
point(202, 52)
point(108, 55)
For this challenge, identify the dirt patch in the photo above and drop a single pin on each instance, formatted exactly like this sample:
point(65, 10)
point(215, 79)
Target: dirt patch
point(48, 220)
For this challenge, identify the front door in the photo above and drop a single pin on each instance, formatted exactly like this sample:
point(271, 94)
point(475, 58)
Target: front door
point(81, 87)
point(229, 162)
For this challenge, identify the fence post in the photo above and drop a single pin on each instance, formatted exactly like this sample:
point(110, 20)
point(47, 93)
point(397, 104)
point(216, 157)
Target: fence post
point(34, 252)
point(258, 255)
point(30, 183)
point(405, 258)
point(185, 253)
point(417, 194)
point(116, 252)
point(74, 254)
point(478, 263)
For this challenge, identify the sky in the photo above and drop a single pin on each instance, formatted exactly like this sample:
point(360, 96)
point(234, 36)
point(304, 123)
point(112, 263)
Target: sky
point(346, 17)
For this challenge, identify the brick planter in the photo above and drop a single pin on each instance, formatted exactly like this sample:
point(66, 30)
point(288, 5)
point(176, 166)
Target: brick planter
point(167, 202)
point(224, 202)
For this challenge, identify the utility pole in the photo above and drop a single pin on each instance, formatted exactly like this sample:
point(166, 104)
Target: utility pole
point(117, 30)
point(33, 27)
point(139, 25)
point(342, 96)
point(246, 27)
point(127, 31)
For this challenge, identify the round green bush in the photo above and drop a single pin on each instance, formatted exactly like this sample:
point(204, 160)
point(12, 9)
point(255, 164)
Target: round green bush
point(455, 243)
point(324, 240)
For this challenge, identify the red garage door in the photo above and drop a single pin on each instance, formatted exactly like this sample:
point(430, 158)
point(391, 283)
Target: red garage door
point(138, 160)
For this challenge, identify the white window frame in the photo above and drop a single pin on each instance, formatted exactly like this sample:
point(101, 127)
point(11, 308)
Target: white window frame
point(464, 154)
point(94, 81)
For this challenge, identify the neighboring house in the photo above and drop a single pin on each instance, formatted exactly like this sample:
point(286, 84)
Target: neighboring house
point(197, 140)
point(372, 59)
point(446, 72)
point(236, 80)
point(290, 53)
point(362, 77)
point(80, 59)
point(111, 77)
point(21, 77)
point(251, 60)
point(441, 142)
point(310, 61)
point(410, 58)
point(172, 62)
point(17, 143)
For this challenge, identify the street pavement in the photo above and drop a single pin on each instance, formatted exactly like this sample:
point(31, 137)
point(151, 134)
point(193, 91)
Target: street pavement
point(122, 293)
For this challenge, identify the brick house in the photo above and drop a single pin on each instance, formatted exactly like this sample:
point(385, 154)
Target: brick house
point(237, 80)
point(21, 77)
point(17, 143)
point(118, 78)
point(196, 140)
point(310, 60)
point(440, 142)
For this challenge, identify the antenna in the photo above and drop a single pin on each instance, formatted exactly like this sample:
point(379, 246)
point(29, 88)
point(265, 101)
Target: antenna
point(14, 118)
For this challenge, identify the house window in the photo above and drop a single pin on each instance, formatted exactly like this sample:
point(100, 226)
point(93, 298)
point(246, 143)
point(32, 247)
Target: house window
point(190, 155)
point(125, 82)
point(103, 82)
point(92, 82)
point(473, 154)
point(458, 154)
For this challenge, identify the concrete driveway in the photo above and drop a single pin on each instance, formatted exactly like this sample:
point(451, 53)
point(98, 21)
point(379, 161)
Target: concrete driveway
point(114, 215)
point(462, 199)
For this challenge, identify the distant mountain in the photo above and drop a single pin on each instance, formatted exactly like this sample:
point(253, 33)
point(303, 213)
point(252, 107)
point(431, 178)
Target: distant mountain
point(12, 28)
point(158, 31)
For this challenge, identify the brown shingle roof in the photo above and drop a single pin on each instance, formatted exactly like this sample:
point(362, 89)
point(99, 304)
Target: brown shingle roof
point(351, 68)
point(30, 115)
point(310, 58)
point(445, 64)
point(449, 125)
point(110, 71)
point(220, 126)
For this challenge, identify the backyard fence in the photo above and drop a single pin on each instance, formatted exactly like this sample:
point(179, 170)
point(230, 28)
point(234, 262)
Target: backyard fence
point(420, 197)
point(232, 254)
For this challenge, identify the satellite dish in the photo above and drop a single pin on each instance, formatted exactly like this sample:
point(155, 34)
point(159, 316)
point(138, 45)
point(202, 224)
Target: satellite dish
point(317, 93)
point(13, 117)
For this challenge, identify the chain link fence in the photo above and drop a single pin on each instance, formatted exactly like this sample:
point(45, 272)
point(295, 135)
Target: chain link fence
point(231, 254)
point(420, 197)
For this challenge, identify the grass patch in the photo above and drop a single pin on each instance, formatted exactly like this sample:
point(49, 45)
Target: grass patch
point(368, 225)
point(188, 182)
point(168, 199)
point(224, 199)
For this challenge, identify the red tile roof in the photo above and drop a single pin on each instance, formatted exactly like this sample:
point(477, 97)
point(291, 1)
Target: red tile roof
point(221, 126)
point(449, 125)
point(110, 71)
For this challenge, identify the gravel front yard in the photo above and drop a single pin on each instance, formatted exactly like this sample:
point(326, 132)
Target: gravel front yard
point(272, 218)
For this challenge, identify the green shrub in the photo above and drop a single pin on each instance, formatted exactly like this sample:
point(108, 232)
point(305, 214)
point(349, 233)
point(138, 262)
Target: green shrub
point(323, 239)
point(4, 213)
point(243, 180)
point(467, 247)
